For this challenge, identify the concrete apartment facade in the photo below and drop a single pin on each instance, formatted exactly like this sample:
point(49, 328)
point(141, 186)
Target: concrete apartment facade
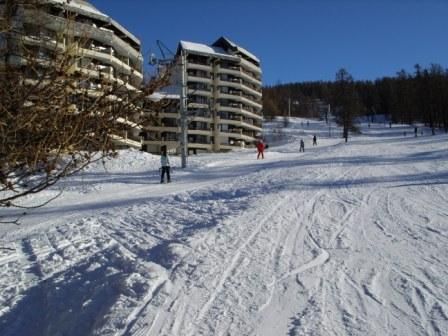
point(221, 99)
point(216, 87)
point(107, 50)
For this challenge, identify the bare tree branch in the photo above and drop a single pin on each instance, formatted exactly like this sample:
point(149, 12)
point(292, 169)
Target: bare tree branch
point(58, 111)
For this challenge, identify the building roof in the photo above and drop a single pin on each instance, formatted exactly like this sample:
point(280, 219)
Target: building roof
point(83, 7)
point(157, 96)
point(222, 47)
point(234, 46)
point(171, 91)
point(204, 49)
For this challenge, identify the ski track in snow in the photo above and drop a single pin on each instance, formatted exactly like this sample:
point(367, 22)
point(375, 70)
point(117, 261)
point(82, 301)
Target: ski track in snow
point(344, 239)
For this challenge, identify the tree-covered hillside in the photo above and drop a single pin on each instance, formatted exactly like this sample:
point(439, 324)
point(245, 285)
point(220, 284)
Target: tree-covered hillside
point(420, 96)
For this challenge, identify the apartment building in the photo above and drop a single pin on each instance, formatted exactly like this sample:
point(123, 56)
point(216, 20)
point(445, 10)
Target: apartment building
point(106, 49)
point(222, 99)
point(165, 129)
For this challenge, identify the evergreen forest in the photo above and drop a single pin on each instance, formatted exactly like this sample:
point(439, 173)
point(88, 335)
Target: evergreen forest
point(417, 97)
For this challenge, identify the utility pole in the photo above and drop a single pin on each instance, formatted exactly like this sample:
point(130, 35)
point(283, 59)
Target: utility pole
point(289, 107)
point(183, 110)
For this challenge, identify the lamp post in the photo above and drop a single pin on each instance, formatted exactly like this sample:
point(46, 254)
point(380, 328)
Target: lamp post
point(183, 111)
point(293, 102)
point(289, 107)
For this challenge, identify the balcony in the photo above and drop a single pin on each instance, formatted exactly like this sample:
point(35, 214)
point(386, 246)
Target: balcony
point(239, 84)
point(230, 71)
point(199, 79)
point(43, 41)
point(250, 66)
point(172, 115)
point(240, 97)
point(250, 78)
point(236, 134)
point(199, 66)
point(126, 141)
point(114, 61)
point(230, 96)
point(241, 122)
point(100, 53)
point(239, 108)
point(251, 126)
point(162, 128)
point(199, 92)
point(251, 90)
point(246, 75)
point(249, 101)
point(90, 71)
point(197, 105)
point(230, 83)
point(198, 145)
point(54, 23)
point(205, 132)
point(201, 118)
point(106, 73)
point(229, 107)
point(101, 49)
point(160, 141)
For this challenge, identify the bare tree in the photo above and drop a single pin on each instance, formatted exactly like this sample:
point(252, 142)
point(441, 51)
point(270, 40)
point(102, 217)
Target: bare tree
point(52, 122)
point(346, 101)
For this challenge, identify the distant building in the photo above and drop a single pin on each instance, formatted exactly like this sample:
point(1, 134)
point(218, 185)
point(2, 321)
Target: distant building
point(165, 128)
point(106, 49)
point(223, 99)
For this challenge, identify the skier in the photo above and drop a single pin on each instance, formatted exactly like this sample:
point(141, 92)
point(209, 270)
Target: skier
point(314, 140)
point(302, 146)
point(260, 149)
point(165, 163)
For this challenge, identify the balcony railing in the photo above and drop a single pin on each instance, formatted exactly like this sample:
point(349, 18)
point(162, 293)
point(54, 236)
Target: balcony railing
point(196, 61)
point(198, 113)
point(233, 105)
point(251, 74)
point(198, 74)
point(199, 128)
point(231, 80)
point(230, 67)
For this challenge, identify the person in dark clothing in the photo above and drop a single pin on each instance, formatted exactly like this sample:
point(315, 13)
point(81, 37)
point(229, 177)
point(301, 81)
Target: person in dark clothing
point(302, 146)
point(165, 163)
point(314, 140)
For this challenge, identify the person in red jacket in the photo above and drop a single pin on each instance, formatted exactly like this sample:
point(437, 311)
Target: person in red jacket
point(260, 149)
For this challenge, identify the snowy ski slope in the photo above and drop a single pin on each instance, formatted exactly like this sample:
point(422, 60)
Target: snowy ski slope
point(344, 239)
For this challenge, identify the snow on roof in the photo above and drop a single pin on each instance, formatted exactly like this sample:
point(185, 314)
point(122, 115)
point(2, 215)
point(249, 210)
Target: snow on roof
point(168, 92)
point(83, 6)
point(86, 7)
point(204, 49)
point(242, 50)
point(157, 96)
point(215, 49)
point(247, 53)
point(124, 30)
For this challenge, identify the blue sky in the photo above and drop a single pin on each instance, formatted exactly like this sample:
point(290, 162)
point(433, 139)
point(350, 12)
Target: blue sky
point(301, 40)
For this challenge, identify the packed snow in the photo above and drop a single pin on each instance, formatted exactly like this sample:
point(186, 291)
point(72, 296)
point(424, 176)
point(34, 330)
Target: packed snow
point(343, 239)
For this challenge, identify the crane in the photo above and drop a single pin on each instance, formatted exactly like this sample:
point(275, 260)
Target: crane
point(164, 52)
